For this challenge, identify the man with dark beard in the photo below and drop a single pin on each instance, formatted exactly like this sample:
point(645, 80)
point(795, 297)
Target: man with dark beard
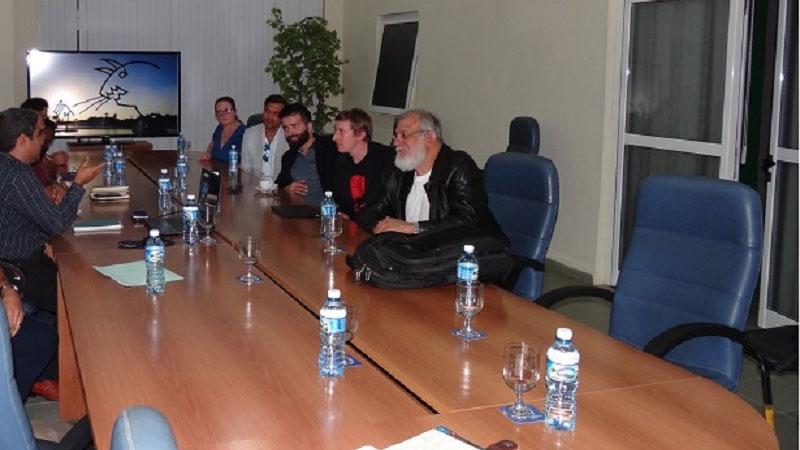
point(307, 167)
point(430, 187)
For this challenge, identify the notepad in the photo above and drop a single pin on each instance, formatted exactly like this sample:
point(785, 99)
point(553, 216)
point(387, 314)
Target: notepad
point(93, 226)
point(132, 273)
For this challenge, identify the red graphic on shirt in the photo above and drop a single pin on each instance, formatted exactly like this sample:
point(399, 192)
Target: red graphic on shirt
point(358, 187)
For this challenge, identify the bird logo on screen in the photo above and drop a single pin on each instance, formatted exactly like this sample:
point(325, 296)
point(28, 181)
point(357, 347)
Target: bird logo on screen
point(113, 87)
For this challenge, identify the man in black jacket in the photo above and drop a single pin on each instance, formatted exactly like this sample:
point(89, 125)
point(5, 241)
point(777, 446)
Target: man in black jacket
point(307, 167)
point(431, 186)
point(361, 162)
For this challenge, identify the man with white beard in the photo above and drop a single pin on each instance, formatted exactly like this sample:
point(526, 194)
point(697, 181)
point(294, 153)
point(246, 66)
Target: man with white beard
point(431, 186)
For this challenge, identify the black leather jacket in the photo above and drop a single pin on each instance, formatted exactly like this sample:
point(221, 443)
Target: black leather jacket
point(455, 192)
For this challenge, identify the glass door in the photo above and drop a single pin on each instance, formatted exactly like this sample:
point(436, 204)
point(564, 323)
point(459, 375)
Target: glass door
point(778, 299)
point(681, 96)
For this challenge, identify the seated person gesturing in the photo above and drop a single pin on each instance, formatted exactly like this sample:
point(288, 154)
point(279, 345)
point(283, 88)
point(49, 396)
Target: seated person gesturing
point(431, 186)
point(307, 167)
point(361, 163)
point(27, 217)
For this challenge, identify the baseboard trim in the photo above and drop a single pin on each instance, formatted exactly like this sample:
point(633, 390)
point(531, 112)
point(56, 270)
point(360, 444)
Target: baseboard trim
point(581, 276)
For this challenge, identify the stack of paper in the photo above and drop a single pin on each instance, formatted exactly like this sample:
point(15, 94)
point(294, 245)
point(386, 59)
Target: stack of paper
point(132, 273)
point(93, 226)
point(110, 193)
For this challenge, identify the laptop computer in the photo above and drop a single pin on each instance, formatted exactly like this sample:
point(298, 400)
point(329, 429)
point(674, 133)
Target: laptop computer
point(171, 224)
point(296, 211)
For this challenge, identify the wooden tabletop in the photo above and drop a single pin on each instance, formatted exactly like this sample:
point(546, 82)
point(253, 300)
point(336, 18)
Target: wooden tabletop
point(627, 399)
point(221, 360)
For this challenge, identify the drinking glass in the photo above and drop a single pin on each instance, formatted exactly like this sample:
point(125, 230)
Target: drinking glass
point(209, 216)
point(469, 303)
point(331, 229)
point(249, 251)
point(521, 373)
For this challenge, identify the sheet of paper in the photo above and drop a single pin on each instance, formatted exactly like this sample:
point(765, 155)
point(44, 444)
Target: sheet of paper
point(132, 273)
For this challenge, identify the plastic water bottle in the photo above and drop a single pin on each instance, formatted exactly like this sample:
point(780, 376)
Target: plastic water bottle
point(233, 159)
point(467, 267)
point(181, 145)
point(327, 209)
point(119, 169)
point(154, 261)
point(191, 215)
point(332, 321)
point(181, 172)
point(561, 377)
point(108, 170)
point(164, 192)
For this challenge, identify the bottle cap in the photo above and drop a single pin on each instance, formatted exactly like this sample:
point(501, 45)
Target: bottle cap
point(164, 171)
point(190, 197)
point(469, 248)
point(154, 232)
point(328, 194)
point(334, 293)
point(565, 334)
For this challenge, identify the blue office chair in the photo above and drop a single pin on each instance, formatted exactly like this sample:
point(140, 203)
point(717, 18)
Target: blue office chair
point(523, 135)
point(523, 196)
point(689, 273)
point(254, 119)
point(142, 428)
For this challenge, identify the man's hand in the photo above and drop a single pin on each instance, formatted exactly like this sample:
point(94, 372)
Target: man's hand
point(55, 192)
point(206, 157)
point(14, 313)
point(86, 173)
point(297, 188)
point(390, 224)
point(59, 158)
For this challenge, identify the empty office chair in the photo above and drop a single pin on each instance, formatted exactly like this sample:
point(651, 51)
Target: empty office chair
point(694, 257)
point(523, 135)
point(523, 196)
point(142, 428)
point(254, 119)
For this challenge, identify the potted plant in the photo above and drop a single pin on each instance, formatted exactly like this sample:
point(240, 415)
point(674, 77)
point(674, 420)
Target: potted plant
point(305, 64)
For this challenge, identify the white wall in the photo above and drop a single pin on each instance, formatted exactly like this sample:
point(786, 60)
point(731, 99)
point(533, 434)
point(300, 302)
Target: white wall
point(224, 46)
point(482, 63)
point(18, 22)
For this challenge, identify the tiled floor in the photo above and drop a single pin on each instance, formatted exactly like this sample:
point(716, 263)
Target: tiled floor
point(595, 313)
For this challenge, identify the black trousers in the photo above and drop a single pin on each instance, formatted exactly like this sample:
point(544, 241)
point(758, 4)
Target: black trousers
point(40, 281)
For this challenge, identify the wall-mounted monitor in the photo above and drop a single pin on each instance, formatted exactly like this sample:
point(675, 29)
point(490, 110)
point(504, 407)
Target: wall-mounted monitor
point(115, 94)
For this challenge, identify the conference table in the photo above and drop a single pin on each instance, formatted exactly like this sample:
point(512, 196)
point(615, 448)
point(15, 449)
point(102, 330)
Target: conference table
point(233, 366)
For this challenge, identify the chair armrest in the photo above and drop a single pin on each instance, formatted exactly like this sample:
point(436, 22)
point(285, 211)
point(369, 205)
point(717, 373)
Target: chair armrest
point(553, 297)
point(79, 437)
point(662, 344)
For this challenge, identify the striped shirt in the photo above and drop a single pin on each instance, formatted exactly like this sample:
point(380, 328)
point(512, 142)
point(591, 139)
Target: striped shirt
point(27, 217)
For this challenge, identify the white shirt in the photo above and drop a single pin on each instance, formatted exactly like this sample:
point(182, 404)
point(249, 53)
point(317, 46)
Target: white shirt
point(253, 150)
point(418, 208)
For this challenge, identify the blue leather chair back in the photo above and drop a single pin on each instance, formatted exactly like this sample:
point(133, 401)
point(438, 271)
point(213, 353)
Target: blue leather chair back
point(523, 135)
point(142, 428)
point(523, 196)
point(694, 256)
point(15, 429)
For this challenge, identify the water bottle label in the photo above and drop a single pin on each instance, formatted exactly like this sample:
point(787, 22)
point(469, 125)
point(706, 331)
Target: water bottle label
point(192, 214)
point(328, 210)
point(561, 372)
point(165, 184)
point(154, 254)
point(467, 272)
point(331, 326)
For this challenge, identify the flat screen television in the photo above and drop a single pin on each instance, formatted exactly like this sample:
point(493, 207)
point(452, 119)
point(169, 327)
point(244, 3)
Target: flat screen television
point(114, 94)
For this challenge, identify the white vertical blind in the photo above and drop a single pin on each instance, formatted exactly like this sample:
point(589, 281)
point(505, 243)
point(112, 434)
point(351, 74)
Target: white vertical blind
point(224, 46)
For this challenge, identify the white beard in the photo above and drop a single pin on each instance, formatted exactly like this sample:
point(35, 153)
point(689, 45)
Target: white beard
point(410, 162)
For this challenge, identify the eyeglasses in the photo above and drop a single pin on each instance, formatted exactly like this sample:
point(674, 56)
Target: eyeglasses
point(220, 112)
point(265, 154)
point(405, 134)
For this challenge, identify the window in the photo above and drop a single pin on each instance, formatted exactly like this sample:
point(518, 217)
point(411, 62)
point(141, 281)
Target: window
point(397, 60)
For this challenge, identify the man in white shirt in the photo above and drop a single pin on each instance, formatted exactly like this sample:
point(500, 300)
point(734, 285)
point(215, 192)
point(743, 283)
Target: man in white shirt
point(264, 144)
point(431, 186)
